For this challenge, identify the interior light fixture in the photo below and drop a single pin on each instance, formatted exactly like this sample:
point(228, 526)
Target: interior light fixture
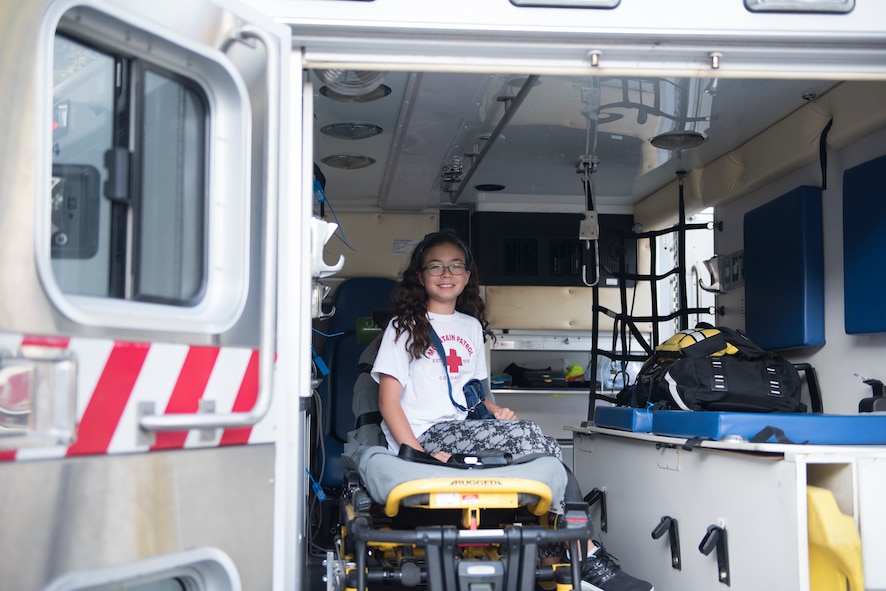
point(382, 91)
point(351, 130)
point(678, 140)
point(351, 82)
point(348, 161)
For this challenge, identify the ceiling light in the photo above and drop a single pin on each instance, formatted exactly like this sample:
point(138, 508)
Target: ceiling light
point(351, 131)
point(348, 161)
point(489, 188)
point(382, 91)
point(678, 140)
point(351, 82)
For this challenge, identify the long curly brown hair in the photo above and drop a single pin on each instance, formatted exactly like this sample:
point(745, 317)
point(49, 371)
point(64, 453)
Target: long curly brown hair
point(411, 299)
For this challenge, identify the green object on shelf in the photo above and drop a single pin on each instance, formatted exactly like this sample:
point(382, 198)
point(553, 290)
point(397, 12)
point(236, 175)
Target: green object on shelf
point(366, 330)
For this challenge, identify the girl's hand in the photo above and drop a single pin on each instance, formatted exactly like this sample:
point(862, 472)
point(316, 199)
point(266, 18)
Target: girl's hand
point(504, 414)
point(442, 456)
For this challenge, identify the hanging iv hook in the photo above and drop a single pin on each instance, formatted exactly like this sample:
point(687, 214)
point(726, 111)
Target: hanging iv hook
point(589, 227)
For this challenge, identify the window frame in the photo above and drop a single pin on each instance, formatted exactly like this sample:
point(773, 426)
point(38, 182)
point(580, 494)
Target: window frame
point(227, 175)
point(196, 569)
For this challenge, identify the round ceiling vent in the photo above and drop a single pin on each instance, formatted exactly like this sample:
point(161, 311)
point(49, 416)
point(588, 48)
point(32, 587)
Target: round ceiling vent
point(351, 131)
point(348, 161)
point(678, 140)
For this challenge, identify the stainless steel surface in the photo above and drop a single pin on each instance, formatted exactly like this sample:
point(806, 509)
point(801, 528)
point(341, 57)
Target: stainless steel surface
point(31, 303)
point(268, 315)
point(728, 74)
point(61, 516)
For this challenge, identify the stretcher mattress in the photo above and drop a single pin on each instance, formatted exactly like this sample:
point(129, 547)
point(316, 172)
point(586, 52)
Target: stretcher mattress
point(381, 470)
point(621, 417)
point(822, 429)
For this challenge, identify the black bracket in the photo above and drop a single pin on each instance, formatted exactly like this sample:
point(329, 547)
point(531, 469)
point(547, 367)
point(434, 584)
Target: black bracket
point(716, 538)
point(598, 495)
point(669, 524)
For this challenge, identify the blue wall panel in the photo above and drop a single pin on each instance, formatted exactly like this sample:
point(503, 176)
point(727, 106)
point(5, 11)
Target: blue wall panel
point(864, 247)
point(784, 271)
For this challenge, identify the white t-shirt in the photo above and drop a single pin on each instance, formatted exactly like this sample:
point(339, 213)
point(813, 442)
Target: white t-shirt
point(425, 397)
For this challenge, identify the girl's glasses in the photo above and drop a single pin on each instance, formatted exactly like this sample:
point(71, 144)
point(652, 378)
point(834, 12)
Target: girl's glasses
point(455, 268)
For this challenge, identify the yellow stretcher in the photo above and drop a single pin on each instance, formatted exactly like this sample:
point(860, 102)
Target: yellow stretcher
point(446, 528)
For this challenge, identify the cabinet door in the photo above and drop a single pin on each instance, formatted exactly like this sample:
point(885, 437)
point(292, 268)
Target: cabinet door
point(871, 519)
point(753, 497)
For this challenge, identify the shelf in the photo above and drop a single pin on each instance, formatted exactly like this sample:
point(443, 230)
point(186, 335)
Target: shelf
point(541, 391)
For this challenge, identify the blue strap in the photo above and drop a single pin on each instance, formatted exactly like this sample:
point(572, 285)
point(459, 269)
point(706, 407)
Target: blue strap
point(438, 345)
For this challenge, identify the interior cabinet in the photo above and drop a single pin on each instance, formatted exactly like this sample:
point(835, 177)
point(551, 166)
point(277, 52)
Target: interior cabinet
point(755, 493)
point(553, 408)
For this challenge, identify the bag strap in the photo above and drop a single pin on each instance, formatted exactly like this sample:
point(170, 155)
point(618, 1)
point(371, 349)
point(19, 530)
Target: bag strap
point(438, 345)
point(769, 432)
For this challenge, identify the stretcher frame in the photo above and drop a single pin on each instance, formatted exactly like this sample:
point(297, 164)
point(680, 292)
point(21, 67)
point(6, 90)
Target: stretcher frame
point(470, 548)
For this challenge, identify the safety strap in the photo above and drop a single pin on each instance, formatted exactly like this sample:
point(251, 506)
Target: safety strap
point(823, 154)
point(438, 345)
point(368, 418)
point(773, 432)
point(489, 458)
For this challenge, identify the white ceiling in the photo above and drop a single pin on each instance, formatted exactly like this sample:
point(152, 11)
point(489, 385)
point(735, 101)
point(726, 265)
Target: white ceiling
point(431, 120)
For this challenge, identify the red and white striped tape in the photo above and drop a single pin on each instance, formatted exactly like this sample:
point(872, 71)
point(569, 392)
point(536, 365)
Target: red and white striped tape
point(114, 377)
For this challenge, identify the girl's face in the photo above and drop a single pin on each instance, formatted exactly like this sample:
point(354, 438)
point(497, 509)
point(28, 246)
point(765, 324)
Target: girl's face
point(443, 290)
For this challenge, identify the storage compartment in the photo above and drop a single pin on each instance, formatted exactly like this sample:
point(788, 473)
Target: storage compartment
point(756, 493)
point(544, 248)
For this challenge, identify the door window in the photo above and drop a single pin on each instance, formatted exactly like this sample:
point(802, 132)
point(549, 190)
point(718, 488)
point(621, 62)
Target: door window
point(128, 178)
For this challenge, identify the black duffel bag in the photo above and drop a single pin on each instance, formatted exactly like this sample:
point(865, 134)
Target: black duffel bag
point(715, 369)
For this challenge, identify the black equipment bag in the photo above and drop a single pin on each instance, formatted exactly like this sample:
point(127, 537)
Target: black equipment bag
point(715, 369)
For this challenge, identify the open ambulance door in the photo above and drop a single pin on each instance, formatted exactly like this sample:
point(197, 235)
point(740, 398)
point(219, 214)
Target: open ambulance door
point(143, 175)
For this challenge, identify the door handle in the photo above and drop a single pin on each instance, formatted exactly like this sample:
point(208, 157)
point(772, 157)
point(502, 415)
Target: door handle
point(715, 538)
point(669, 524)
point(598, 495)
point(268, 316)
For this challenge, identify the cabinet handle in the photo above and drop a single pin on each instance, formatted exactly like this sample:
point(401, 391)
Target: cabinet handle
point(598, 495)
point(669, 524)
point(716, 538)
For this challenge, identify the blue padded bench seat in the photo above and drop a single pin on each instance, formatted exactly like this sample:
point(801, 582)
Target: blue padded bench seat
point(621, 417)
point(821, 429)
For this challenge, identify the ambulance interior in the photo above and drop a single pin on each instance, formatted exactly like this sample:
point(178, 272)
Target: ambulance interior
point(500, 157)
point(514, 162)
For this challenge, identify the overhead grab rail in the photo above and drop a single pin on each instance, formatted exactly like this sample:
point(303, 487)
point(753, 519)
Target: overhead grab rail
point(268, 319)
point(510, 110)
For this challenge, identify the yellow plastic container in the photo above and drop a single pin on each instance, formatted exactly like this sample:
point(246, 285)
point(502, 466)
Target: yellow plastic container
point(834, 545)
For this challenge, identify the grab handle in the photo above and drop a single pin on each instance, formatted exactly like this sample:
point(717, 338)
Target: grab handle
point(715, 538)
point(598, 495)
point(268, 318)
point(669, 524)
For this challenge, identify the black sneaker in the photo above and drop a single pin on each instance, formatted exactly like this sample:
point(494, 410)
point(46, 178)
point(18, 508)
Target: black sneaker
point(601, 572)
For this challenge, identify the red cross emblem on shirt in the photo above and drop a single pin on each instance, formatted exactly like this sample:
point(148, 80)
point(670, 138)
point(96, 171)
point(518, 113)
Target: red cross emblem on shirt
point(453, 361)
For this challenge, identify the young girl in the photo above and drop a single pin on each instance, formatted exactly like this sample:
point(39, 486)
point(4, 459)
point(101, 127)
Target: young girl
point(439, 290)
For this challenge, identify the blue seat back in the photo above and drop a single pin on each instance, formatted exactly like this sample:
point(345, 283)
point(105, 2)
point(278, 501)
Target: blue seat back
point(354, 298)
